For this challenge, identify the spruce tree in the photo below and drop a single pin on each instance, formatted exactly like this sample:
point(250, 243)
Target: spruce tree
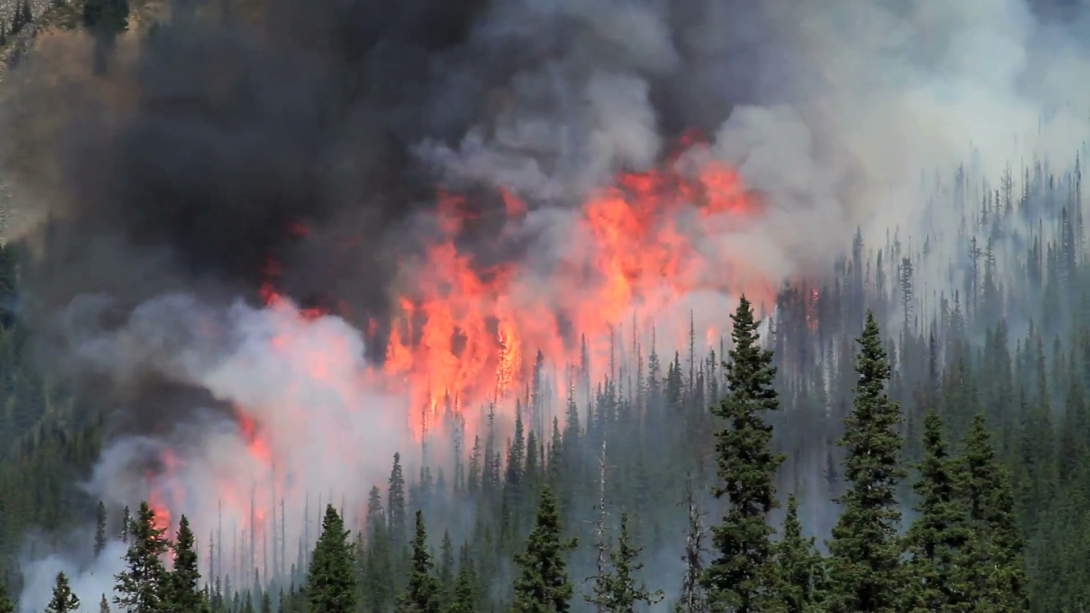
point(542, 585)
point(183, 592)
point(100, 528)
point(935, 538)
point(993, 555)
point(395, 505)
point(422, 595)
point(63, 599)
point(741, 577)
point(103, 605)
point(618, 590)
point(464, 599)
point(331, 582)
point(800, 568)
point(446, 566)
point(864, 568)
point(126, 525)
point(140, 586)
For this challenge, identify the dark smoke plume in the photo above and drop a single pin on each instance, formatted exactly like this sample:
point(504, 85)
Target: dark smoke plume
point(226, 153)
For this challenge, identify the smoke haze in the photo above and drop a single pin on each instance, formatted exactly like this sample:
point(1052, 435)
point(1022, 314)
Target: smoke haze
point(303, 149)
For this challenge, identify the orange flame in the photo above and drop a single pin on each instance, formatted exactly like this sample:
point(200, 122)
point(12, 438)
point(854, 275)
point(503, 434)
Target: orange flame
point(464, 331)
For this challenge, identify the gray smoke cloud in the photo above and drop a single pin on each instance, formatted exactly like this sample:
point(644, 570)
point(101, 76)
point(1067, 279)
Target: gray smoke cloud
point(192, 161)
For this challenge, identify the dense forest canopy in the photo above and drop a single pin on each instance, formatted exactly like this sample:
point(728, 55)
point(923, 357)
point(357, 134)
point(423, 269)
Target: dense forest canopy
point(881, 407)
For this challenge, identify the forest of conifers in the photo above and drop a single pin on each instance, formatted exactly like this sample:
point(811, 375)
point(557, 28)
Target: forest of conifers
point(933, 458)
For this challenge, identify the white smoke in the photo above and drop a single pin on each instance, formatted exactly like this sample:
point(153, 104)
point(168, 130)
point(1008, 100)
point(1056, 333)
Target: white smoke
point(873, 95)
point(90, 582)
point(323, 425)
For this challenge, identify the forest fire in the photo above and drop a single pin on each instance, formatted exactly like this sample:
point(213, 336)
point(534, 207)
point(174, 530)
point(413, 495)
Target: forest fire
point(466, 336)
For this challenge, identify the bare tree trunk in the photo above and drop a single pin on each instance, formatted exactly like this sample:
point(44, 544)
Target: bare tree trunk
point(692, 595)
point(600, 534)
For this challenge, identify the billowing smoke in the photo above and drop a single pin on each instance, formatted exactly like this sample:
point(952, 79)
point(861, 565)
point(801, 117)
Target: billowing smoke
point(294, 152)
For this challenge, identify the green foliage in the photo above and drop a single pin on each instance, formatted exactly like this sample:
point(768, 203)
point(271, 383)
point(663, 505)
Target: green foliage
point(423, 595)
point(800, 568)
point(935, 539)
point(100, 528)
point(993, 557)
point(542, 585)
point(140, 588)
point(741, 576)
point(618, 590)
point(331, 584)
point(865, 573)
point(465, 597)
point(183, 592)
point(63, 599)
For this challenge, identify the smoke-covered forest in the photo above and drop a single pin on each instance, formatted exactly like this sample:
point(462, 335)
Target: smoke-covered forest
point(884, 407)
point(964, 490)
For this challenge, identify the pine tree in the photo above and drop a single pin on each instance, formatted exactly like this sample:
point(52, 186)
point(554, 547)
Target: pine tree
point(100, 528)
point(126, 525)
point(935, 538)
point(378, 579)
point(864, 568)
point(446, 566)
point(423, 593)
point(993, 555)
point(542, 585)
point(464, 599)
point(618, 591)
point(331, 584)
point(103, 605)
point(741, 577)
point(395, 504)
point(266, 603)
point(800, 568)
point(140, 586)
point(63, 599)
point(183, 593)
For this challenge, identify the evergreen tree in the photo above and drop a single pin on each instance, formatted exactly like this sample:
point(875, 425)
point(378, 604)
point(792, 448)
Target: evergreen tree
point(864, 568)
point(446, 566)
point(100, 528)
point(103, 605)
point(464, 599)
point(126, 524)
point(140, 586)
point(800, 568)
point(935, 538)
point(542, 585)
point(993, 556)
point(618, 591)
point(395, 504)
point(63, 599)
point(423, 594)
point(183, 593)
point(331, 585)
point(741, 577)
